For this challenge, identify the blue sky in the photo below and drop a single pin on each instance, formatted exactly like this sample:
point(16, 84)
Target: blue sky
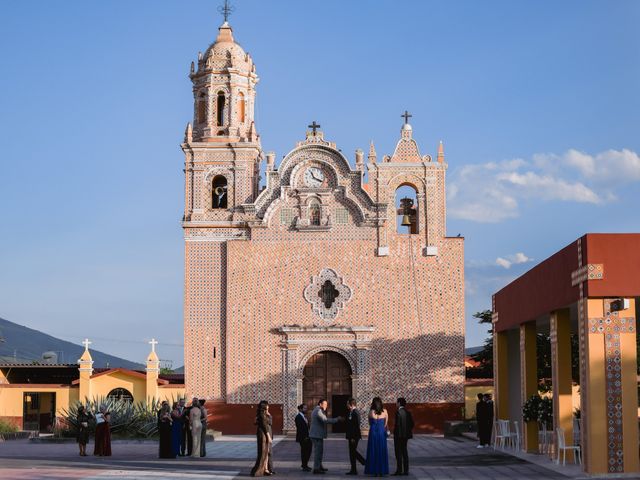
point(537, 104)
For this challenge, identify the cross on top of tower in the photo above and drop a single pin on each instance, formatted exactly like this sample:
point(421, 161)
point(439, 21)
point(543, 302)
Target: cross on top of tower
point(86, 343)
point(153, 344)
point(226, 10)
point(314, 126)
point(406, 115)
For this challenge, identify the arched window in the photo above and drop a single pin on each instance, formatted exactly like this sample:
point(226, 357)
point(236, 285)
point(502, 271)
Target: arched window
point(241, 107)
point(201, 112)
point(314, 212)
point(220, 100)
point(120, 394)
point(406, 210)
point(219, 192)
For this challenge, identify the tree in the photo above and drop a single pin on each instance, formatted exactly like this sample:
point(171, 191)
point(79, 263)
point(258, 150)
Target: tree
point(543, 351)
point(484, 356)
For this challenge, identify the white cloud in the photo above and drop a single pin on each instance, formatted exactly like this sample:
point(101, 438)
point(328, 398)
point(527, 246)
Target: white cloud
point(515, 259)
point(492, 192)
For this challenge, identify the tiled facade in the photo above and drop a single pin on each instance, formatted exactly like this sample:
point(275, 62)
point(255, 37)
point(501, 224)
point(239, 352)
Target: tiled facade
point(256, 270)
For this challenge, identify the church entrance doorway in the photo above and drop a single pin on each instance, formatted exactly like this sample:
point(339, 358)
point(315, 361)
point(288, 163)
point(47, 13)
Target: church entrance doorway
point(328, 375)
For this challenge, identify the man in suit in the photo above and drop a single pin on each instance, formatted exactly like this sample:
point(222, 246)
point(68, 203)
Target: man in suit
point(353, 435)
point(402, 432)
point(481, 419)
point(302, 436)
point(318, 433)
point(489, 418)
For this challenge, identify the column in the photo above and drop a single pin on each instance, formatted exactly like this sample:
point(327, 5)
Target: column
point(528, 380)
point(291, 384)
point(501, 374)
point(609, 396)
point(561, 374)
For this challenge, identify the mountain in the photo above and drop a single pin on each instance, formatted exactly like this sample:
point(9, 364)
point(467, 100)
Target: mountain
point(472, 350)
point(28, 345)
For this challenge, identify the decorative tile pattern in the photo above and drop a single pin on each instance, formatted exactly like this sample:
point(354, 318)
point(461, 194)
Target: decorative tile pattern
point(612, 325)
point(313, 294)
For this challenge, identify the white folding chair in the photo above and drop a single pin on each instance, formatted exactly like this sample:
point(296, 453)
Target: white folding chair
point(515, 436)
point(501, 437)
point(563, 447)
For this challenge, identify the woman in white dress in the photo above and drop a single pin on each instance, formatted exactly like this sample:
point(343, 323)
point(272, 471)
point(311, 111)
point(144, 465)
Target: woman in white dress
point(196, 427)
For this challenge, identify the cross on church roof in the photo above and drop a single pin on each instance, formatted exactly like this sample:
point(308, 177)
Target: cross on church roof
point(406, 116)
point(314, 126)
point(153, 344)
point(226, 10)
point(86, 343)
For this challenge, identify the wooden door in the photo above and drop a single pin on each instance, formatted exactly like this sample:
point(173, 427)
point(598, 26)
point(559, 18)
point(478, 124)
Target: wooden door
point(327, 375)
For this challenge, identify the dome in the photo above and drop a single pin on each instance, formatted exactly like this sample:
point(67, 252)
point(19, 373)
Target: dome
point(225, 53)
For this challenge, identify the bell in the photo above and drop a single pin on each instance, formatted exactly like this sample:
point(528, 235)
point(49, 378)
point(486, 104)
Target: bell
point(406, 221)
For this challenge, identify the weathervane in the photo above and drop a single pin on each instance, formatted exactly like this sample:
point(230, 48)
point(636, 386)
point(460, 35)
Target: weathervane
point(226, 10)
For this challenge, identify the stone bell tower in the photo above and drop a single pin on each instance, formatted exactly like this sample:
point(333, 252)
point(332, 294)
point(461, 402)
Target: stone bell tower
point(222, 161)
point(221, 146)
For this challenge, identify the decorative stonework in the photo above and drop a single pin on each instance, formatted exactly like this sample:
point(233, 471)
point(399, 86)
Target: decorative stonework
point(612, 325)
point(592, 271)
point(327, 294)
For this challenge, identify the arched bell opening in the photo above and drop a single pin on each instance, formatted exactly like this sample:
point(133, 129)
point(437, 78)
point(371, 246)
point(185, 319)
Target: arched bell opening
point(406, 202)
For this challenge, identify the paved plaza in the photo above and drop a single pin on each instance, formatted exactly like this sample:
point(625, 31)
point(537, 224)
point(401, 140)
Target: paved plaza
point(232, 457)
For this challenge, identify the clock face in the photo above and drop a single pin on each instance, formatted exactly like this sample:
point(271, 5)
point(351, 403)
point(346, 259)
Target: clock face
point(313, 177)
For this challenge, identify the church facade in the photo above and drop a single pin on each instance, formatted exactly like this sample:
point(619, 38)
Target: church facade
point(319, 285)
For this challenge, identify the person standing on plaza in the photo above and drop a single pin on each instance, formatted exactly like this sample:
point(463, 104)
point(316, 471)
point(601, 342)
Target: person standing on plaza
point(353, 434)
point(318, 433)
point(176, 430)
point(82, 421)
point(164, 431)
point(264, 435)
point(402, 432)
point(489, 418)
point(481, 420)
point(196, 427)
point(102, 447)
point(377, 462)
point(203, 434)
point(187, 439)
point(302, 436)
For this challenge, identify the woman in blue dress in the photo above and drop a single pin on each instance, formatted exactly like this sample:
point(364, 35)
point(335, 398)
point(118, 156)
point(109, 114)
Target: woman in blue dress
point(377, 454)
point(176, 429)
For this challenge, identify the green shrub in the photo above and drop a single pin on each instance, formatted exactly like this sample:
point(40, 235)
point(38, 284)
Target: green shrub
point(6, 427)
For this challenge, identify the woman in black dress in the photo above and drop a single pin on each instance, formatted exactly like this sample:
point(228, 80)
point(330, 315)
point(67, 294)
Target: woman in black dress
point(83, 429)
point(164, 429)
point(263, 465)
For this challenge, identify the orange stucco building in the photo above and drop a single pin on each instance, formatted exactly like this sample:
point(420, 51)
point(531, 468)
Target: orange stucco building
point(589, 288)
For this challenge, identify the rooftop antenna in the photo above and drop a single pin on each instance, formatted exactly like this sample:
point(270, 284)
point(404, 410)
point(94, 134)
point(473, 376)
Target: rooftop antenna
point(226, 10)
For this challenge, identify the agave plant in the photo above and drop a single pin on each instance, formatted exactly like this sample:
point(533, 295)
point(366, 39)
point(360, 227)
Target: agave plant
point(131, 419)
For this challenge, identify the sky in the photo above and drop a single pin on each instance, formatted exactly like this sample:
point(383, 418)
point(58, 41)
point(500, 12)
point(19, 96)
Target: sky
point(537, 104)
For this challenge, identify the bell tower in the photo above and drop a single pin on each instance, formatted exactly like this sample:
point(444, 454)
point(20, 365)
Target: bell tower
point(222, 164)
point(221, 145)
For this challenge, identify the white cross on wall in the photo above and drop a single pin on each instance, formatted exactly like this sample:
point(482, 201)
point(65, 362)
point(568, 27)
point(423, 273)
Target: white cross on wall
point(86, 343)
point(153, 344)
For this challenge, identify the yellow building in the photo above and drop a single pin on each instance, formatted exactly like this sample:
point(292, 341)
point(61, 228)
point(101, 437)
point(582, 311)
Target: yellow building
point(32, 396)
point(590, 289)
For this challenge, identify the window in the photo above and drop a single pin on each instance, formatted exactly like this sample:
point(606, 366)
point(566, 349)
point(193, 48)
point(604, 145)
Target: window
point(220, 109)
point(241, 107)
point(201, 113)
point(121, 394)
point(314, 212)
point(328, 293)
point(219, 192)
